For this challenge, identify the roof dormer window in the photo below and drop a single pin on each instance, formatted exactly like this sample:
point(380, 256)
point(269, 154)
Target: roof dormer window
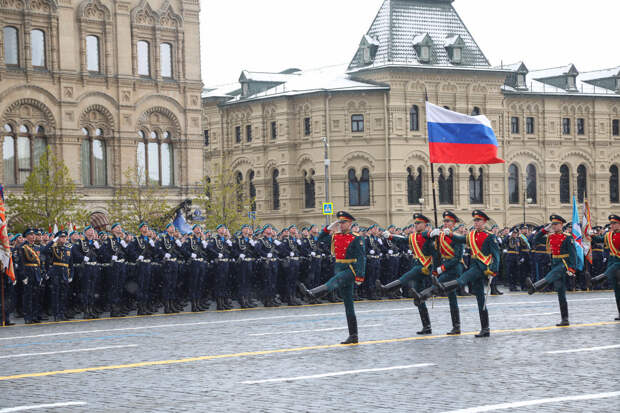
point(425, 53)
point(521, 80)
point(422, 44)
point(368, 47)
point(454, 47)
point(571, 83)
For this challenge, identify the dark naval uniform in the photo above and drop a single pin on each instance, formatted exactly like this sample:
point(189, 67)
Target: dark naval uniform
point(350, 268)
point(513, 250)
point(612, 242)
point(31, 278)
point(539, 257)
point(59, 257)
point(563, 257)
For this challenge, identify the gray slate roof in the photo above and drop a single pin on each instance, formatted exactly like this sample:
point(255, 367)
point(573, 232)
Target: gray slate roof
point(400, 21)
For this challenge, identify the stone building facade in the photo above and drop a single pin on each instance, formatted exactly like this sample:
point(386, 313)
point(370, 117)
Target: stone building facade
point(108, 85)
point(557, 129)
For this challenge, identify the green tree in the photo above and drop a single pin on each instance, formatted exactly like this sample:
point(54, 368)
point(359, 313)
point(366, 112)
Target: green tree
point(225, 200)
point(49, 196)
point(136, 201)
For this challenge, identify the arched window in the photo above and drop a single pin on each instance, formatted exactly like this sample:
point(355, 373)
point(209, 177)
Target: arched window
point(365, 188)
point(564, 184)
point(37, 48)
point(414, 118)
point(11, 46)
point(309, 193)
point(155, 158)
point(21, 152)
point(614, 196)
point(354, 189)
point(530, 184)
point(275, 188)
point(359, 189)
point(252, 190)
point(239, 183)
point(513, 184)
point(475, 111)
point(94, 169)
point(414, 186)
point(446, 186)
point(475, 186)
point(165, 56)
point(144, 58)
point(582, 183)
point(92, 54)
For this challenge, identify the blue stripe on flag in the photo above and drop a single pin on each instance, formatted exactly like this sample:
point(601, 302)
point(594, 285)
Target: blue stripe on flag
point(461, 133)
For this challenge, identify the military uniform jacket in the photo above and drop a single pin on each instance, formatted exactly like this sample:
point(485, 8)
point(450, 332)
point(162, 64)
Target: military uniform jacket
point(373, 248)
point(421, 245)
point(243, 246)
point(310, 245)
point(391, 246)
point(141, 246)
point(219, 245)
point(116, 249)
point(168, 245)
point(193, 245)
point(59, 258)
point(349, 249)
point(560, 246)
point(30, 261)
point(450, 250)
point(265, 247)
point(484, 248)
point(611, 241)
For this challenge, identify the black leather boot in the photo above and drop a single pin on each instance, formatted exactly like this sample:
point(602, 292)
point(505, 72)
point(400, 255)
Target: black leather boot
point(220, 303)
point(564, 315)
point(618, 305)
point(456, 322)
point(495, 290)
point(352, 323)
point(484, 323)
point(315, 293)
point(445, 288)
point(537, 286)
point(386, 288)
point(426, 321)
point(599, 279)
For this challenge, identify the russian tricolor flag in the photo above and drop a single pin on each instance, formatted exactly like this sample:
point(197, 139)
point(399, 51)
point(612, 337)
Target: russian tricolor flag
point(460, 139)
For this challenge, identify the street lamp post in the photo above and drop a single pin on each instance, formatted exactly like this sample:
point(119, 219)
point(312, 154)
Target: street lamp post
point(421, 201)
point(326, 162)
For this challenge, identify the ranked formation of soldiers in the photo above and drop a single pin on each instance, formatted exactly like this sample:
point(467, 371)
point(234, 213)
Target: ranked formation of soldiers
point(65, 274)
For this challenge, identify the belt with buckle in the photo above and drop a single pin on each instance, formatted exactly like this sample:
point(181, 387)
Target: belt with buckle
point(61, 264)
point(31, 265)
point(346, 260)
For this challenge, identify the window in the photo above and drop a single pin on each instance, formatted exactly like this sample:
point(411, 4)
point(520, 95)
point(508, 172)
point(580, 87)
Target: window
point(275, 189)
point(475, 186)
point(165, 57)
point(457, 53)
point(425, 53)
point(570, 82)
point(614, 183)
point(566, 126)
point(414, 185)
point(359, 189)
point(274, 130)
point(414, 118)
point(92, 54)
point(144, 58)
point(581, 126)
point(530, 183)
point(529, 125)
point(357, 123)
point(155, 158)
point(239, 182)
point(11, 46)
point(514, 124)
point(446, 186)
point(252, 190)
point(582, 183)
point(521, 80)
point(513, 184)
point(564, 185)
point(309, 193)
point(248, 133)
point(307, 127)
point(615, 127)
point(475, 111)
point(237, 134)
point(37, 48)
point(206, 136)
point(21, 152)
point(94, 171)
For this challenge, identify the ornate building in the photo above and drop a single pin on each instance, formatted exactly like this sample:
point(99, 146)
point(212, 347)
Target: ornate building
point(108, 85)
point(557, 129)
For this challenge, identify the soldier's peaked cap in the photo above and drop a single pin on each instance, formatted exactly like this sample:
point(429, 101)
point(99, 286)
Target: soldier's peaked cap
point(479, 214)
point(344, 216)
point(28, 231)
point(142, 224)
point(556, 219)
point(420, 218)
point(61, 233)
point(614, 218)
point(451, 215)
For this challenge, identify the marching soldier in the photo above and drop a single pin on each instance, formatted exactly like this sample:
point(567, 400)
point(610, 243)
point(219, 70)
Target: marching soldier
point(612, 241)
point(350, 256)
point(58, 253)
point(484, 263)
point(422, 246)
point(562, 250)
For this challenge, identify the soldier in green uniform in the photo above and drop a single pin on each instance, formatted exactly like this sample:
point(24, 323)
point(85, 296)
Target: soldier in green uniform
point(350, 254)
point(612, 242)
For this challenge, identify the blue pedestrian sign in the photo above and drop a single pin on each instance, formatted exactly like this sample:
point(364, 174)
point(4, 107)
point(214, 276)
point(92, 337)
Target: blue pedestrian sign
point(328, 208)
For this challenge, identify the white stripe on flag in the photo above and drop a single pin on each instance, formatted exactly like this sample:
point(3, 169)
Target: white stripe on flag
point(437, 114)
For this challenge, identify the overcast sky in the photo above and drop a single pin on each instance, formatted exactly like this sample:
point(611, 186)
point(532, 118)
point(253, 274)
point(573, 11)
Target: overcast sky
point(272, 35)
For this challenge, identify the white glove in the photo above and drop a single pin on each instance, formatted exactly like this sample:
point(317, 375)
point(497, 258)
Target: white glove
point(278, 243)
point(179, 243)
point(604, 259)
point(390, 252)
point(25, 281)
point(331, 226)
point(386, 234)
point(204, 244)
point(123, 243)
point(522, 260)
point(380, 241)
point(252, 242)
point(220, 255)
point(439, 270)
point(298, 242)
point(70, 279)
point(322, 255)
point(96, 244)
point(86, 259)
point(269, 255)
point(435, 232)
point(140, 258)
point(292, 254)
point(505, 251)
point(194, 255)
point(409, 252)
point(229, 242)
point(152, 243)
point(242, 256)
point(447, 231)
point(55, 239)
point(372, 252)
point(167, 256)
point(548, 228)
point(313, 254)
point(114, 258)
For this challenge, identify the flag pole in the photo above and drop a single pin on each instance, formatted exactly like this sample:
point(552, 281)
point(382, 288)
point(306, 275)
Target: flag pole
point(2, 288)
point(432, 167)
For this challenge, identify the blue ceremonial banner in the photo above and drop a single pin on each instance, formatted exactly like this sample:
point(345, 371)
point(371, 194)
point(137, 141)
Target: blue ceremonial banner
point(181, 225)
point(577, 237)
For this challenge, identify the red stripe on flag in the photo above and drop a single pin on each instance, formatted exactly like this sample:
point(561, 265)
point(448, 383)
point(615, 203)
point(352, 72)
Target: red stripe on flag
point(463, 153)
